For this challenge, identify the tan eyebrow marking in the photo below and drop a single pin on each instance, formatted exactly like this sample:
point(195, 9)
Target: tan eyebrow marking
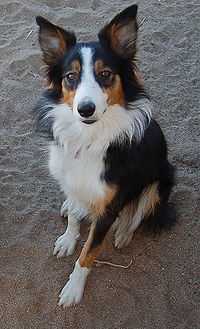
point(100, 66)
point(76, 66)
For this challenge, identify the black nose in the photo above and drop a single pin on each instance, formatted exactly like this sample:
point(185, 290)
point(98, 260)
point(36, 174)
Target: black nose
point(86, 109)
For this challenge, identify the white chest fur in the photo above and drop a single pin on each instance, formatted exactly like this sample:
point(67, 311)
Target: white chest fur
point(78, 172)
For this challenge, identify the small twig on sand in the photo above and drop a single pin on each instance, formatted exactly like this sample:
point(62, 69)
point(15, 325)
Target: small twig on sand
point(101, 262)
point(28, 35)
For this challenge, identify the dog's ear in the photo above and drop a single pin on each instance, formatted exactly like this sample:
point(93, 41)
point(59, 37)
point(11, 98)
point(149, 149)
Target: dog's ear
point(120, 34)
point(54, 41)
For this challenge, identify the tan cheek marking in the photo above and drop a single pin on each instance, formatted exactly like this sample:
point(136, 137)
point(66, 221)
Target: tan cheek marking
point(87, 256)
point(153, 198)
point(115, 93)
point(68, 95)
point(100, 205)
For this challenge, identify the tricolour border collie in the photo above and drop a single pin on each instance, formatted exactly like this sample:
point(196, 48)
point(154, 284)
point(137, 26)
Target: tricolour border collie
point(107, 153)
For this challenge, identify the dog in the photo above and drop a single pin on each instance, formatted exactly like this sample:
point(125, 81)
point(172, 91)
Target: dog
point(107, 153)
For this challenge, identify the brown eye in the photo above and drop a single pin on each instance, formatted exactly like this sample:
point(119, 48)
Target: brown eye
point(106, 74)
point(71, 76)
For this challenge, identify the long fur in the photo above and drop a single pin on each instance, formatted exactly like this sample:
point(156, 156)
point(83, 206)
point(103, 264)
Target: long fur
point(106, 151)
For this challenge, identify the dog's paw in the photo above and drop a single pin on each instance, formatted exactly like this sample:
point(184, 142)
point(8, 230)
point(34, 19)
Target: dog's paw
point(71, 293)
point(65, 244)
point(64, 209)
point(73, 290)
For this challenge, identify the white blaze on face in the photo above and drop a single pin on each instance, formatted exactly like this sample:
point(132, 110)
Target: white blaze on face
point(88, 89)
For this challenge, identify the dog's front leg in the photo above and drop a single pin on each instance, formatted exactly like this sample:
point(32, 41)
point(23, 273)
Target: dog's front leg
point(73, 290)
point(66, 243)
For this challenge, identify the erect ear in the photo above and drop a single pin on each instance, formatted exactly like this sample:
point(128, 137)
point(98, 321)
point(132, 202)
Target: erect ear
point(54, 41)
point(120, 34)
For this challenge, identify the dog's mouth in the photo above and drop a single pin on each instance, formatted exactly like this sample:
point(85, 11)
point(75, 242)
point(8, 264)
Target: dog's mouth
point(89, 122)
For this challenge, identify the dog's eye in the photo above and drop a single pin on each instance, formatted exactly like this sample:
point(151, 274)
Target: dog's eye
point(71, 76)
point(106, 74)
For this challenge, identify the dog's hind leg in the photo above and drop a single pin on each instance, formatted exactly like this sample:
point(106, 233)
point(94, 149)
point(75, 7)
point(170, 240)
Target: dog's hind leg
point(132, 215)
point(125, 225)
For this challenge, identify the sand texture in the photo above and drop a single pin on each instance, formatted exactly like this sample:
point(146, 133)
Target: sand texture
point(160, 290)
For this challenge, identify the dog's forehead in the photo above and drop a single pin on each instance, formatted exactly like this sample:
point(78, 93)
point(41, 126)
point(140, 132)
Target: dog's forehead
point(91, 53)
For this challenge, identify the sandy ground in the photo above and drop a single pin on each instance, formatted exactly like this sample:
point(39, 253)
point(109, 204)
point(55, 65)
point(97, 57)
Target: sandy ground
point(160, 289)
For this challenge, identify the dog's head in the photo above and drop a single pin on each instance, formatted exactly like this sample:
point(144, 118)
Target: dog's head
point(92, 77)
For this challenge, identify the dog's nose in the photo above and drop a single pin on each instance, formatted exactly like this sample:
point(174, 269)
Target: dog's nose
point(86, 109)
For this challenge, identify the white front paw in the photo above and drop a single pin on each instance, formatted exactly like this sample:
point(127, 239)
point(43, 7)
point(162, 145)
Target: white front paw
point(71, 294)
point(73, 290)
point(65, 244)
